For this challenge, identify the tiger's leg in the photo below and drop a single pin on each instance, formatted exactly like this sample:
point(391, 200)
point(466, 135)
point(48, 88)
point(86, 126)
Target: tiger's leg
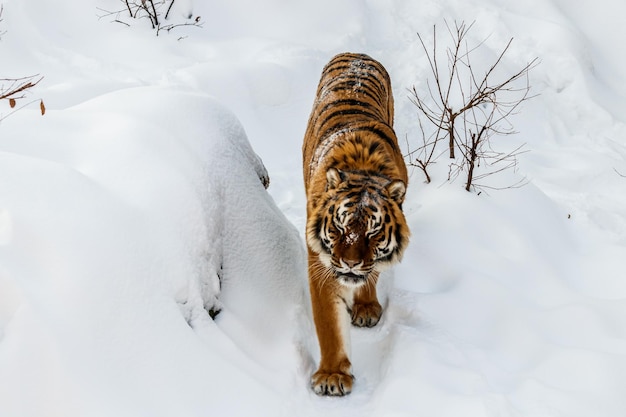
point(332, 322)
point(366, 310)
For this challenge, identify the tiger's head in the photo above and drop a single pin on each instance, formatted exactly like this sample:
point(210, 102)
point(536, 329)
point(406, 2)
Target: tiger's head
point(358, 226)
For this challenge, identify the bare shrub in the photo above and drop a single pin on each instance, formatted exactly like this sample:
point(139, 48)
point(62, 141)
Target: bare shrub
point(157, 12)
point(482, 109)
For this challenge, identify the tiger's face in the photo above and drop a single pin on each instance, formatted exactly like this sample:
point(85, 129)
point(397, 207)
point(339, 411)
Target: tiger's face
point(359, 226)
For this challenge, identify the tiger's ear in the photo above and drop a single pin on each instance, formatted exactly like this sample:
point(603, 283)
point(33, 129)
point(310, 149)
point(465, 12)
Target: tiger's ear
point(397, 190)
point(333, 178)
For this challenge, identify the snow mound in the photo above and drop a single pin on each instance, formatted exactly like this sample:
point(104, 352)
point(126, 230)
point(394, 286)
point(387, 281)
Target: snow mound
point(151, 208)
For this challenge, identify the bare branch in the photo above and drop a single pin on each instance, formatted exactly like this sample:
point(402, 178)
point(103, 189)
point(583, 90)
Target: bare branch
point(151, 10)
point(484, 110)
point(618, 173)
point(17, 86)
point(16, 90)
point(1, 20)
point(167, 13)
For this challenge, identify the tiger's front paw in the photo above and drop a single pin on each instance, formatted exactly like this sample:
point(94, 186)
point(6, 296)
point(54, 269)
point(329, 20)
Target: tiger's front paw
point(332, 383)
point(366, 314)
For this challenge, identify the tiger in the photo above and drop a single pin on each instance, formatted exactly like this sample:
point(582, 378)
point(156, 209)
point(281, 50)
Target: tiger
point(355, 180)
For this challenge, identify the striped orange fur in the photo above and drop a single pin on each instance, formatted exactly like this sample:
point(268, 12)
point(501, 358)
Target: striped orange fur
point(355, 181)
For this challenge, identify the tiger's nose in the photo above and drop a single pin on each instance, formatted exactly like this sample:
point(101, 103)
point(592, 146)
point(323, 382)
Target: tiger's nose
point(351, 263)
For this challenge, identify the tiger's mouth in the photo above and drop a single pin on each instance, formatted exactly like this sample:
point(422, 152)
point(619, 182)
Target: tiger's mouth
point(350, 279)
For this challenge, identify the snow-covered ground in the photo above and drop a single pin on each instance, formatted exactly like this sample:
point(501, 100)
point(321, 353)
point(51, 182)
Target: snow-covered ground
point(141, 185)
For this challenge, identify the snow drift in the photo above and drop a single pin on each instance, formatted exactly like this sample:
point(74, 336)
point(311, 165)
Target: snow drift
point(153, 212)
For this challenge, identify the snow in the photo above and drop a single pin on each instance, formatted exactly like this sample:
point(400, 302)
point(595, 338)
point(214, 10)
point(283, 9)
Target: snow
point(141, 186)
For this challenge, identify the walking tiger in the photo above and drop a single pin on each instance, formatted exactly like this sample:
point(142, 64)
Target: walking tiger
point(355, 181)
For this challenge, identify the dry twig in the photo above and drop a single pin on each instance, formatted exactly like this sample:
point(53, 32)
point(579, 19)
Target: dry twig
point(151, 10)
point(484, 110)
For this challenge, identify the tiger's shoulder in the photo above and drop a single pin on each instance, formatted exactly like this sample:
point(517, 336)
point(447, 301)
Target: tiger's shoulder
point(351, 123)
